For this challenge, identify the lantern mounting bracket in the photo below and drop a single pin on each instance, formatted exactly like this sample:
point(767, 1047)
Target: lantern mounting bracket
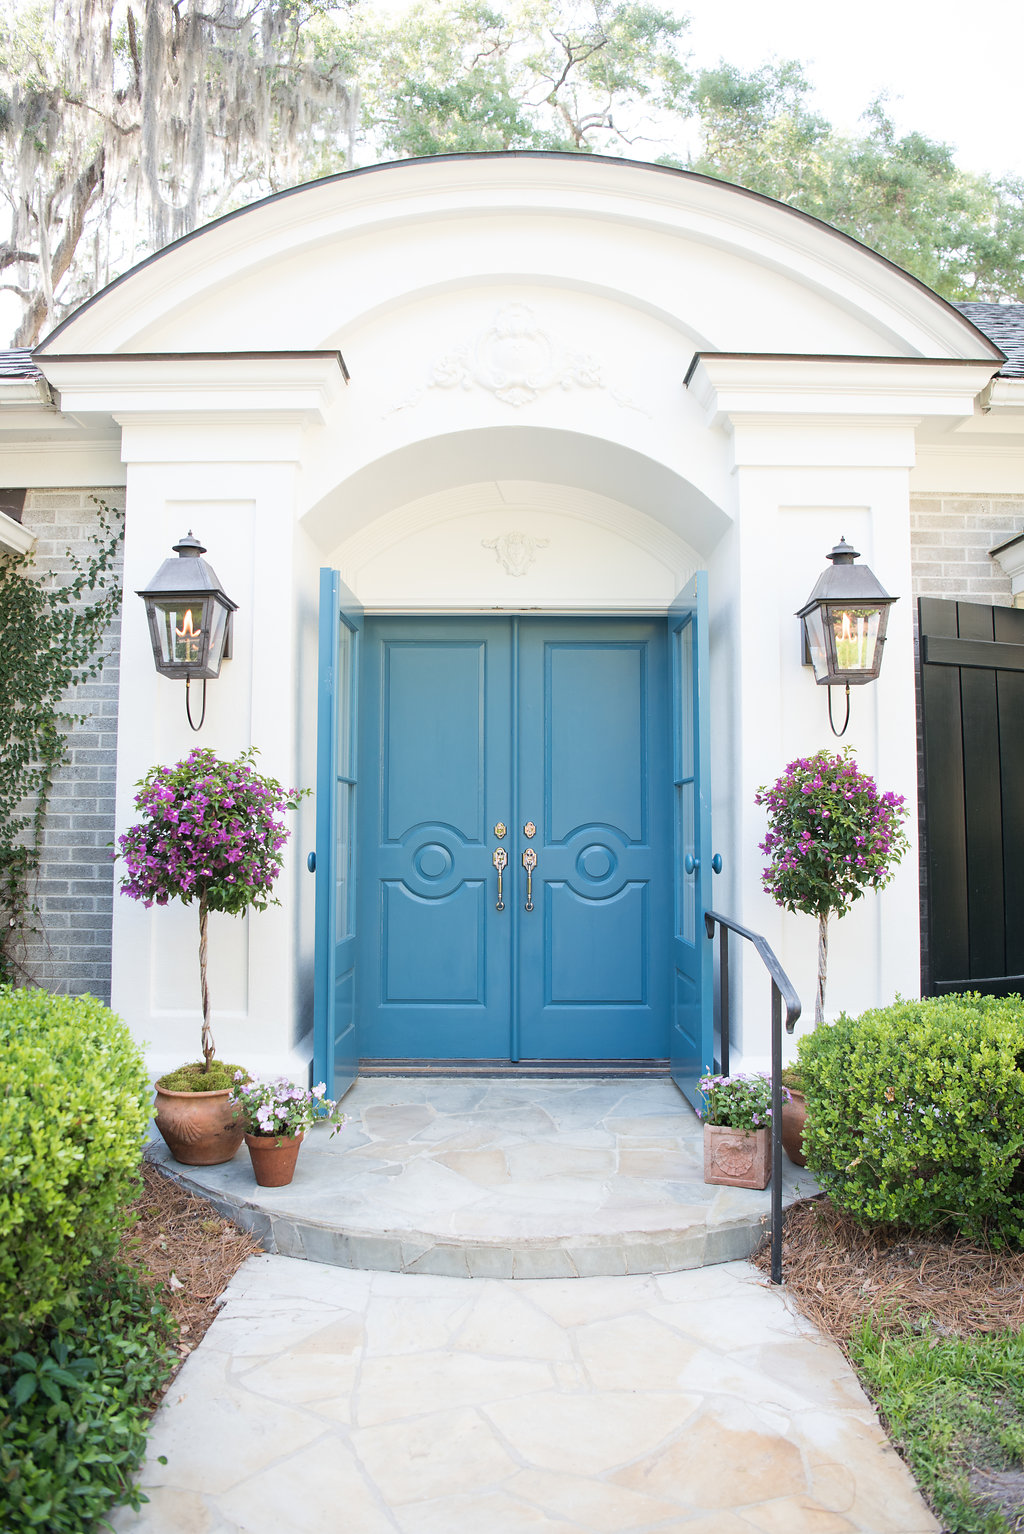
point(196, 727)
point(837, 733)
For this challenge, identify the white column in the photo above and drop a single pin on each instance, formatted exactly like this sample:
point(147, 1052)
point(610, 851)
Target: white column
point(789, 520)
point(822, 447)
point(244, 511)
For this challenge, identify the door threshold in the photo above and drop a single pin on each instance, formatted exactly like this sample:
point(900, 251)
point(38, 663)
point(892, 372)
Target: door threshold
point(518, 1070)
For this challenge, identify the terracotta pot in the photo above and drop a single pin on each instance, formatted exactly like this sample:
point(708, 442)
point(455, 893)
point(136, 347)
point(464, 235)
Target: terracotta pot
point(737, 1158)
point(200, 1128)
point(794, 1116)
point(273, 1158)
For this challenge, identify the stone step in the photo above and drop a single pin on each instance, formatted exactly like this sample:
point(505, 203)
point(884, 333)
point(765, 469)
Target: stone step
point(484, 1178)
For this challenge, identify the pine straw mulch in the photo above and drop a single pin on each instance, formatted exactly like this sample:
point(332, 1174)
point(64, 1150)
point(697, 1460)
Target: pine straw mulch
point(838, 1274)
point(186, 1251)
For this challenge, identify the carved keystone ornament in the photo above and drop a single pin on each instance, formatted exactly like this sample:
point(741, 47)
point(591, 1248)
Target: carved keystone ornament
point(515, 551)
point(517, 361)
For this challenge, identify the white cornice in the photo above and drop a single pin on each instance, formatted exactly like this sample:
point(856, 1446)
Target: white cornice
point(54, 463)
point(296, 386)
point(861, 389)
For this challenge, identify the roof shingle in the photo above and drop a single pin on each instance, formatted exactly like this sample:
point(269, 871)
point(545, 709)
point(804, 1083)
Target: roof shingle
point(16, 362)
point(1003, 324)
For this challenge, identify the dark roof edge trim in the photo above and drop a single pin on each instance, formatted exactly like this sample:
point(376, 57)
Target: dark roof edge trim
point(517, 154)
point(197, 357)
point(928, 362)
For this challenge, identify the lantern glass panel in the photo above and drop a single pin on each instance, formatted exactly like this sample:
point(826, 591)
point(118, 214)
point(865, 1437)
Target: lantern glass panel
point(814, 629)
point(855, 636)
point(188, 631)
point(181, 631)
point(216, 621)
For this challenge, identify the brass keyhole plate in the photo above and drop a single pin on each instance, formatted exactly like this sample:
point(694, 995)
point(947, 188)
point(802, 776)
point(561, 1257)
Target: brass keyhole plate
point(529, 830)
point(500, 830)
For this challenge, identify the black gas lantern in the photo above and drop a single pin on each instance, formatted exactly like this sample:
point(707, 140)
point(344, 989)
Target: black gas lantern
point(189, 618)
point(844, 621)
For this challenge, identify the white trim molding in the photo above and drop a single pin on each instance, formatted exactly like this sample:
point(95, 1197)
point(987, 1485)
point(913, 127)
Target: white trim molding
point(13, 536)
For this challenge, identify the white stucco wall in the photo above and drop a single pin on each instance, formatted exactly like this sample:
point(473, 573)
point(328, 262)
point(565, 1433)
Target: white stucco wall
point(519, 333)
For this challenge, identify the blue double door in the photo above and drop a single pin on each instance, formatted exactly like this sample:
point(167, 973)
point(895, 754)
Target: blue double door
point(513, 839)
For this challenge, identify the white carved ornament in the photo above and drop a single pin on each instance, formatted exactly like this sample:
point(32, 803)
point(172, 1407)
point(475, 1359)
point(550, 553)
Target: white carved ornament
point(516, 361)
point(515, 551)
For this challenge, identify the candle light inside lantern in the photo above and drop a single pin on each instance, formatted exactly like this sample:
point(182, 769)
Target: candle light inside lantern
point(846, 645)
point(188, 637)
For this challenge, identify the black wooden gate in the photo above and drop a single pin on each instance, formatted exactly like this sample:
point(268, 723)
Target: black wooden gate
point(972, 692)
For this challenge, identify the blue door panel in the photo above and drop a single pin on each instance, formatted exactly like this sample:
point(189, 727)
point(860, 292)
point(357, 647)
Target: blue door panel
point(692, 1033)
point(336, 1047)
point(434, 756)
point(433, 947)
point(432, 738)
point(467, 724)
point(597, 947)
point(593, 954)
point(596, 748)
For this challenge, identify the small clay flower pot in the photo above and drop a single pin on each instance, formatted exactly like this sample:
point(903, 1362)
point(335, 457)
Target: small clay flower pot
point(200, 1128)
point(794, 1116)
point(273, 1158)
point(737, 1158)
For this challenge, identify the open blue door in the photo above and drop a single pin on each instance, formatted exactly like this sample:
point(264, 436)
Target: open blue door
point(692, 1041)
point(336, 1044)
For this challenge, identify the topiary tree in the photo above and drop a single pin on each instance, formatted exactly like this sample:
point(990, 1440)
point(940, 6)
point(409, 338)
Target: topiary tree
point(209, 832)
point(831, 837)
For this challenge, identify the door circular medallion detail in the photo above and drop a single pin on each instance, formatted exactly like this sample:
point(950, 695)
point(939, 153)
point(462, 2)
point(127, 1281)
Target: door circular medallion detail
point(596, 862)
point(432, 861)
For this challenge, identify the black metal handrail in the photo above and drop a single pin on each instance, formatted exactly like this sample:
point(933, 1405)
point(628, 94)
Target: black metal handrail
point(782, 991)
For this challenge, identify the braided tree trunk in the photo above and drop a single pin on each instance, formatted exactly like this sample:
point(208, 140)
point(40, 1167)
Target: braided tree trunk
point(819, 996)
point(208, 1045)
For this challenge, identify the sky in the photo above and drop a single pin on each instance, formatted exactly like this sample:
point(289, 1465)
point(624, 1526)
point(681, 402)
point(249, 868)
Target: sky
point(937, 60)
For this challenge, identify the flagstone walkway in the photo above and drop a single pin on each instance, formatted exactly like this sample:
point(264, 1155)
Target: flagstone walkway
point(324, 1399)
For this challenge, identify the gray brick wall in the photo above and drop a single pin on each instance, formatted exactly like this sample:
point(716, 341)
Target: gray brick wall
point(70, 951)
point(950, 538)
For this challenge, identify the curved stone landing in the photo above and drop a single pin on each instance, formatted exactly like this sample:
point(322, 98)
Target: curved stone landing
point(500, 1179)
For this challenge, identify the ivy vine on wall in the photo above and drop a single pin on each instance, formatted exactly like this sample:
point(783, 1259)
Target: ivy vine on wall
point(50, 641)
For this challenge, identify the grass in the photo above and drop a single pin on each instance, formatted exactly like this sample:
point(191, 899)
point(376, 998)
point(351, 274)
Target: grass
point(954, 1407)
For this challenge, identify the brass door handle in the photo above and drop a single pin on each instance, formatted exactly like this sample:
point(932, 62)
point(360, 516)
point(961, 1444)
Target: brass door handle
point(529, 863)
point(499, 860)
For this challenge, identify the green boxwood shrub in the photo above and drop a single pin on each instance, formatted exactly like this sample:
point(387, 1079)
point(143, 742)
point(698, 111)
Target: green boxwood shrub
point(916, 1114)
point(74, 1106)
point(75, 1404)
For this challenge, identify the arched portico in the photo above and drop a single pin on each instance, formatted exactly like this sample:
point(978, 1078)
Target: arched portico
point(628, 372)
